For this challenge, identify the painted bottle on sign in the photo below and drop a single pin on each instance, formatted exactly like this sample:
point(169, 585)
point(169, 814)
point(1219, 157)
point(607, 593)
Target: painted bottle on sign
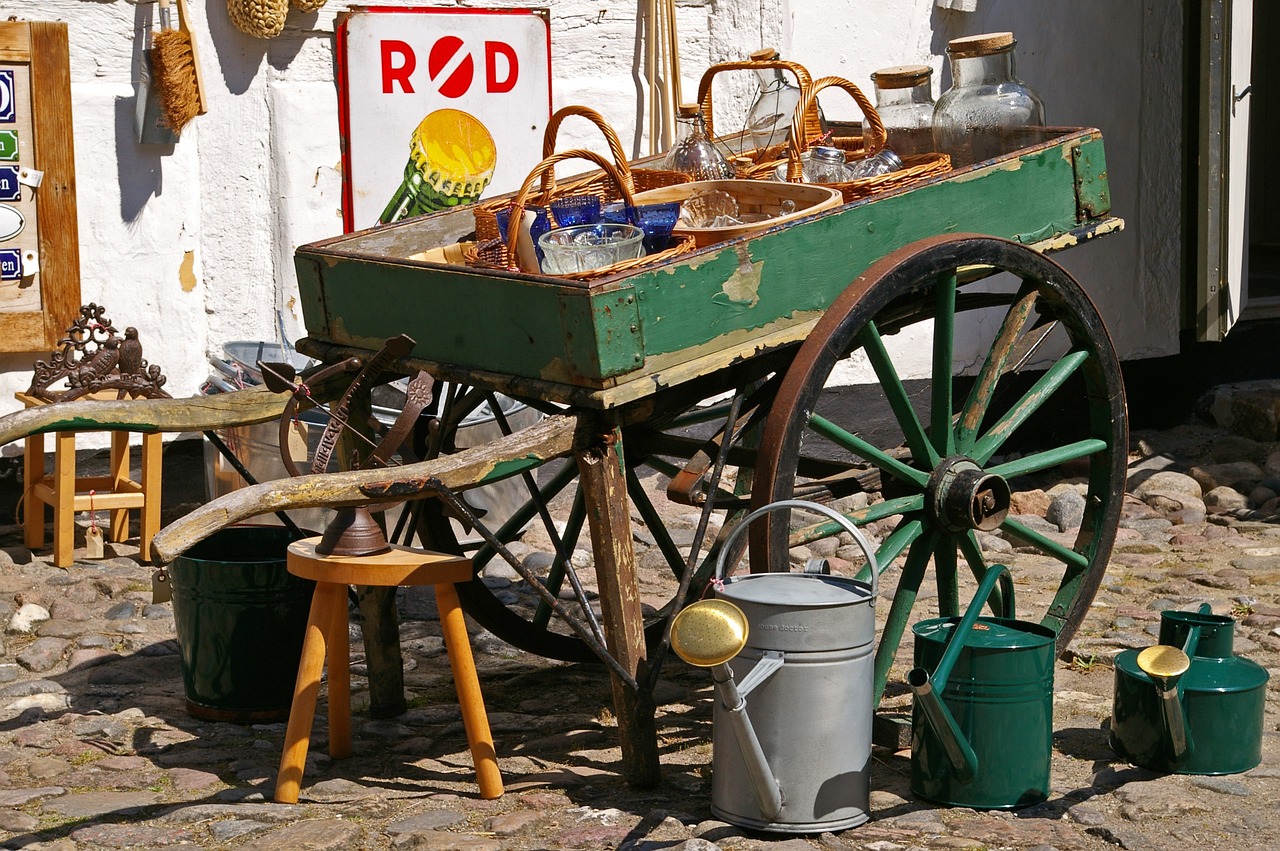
point(451, 160)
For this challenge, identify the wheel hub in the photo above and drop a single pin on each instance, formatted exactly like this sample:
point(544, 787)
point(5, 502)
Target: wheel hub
point(961, 496)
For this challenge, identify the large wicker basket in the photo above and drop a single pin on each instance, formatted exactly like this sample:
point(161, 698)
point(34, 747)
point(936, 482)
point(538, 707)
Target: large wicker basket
point(596, 183)
point(759, 201)
point(744, 161)
point(496, 254)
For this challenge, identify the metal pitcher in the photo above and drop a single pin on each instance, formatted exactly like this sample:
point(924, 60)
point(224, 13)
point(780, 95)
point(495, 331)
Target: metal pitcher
point(986, 741)
point(798, 759)
point(1189, 705)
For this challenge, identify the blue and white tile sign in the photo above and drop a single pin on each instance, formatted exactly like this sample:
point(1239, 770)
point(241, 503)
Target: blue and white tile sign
point(10, 188)
point(10, 264)
point(8, 97)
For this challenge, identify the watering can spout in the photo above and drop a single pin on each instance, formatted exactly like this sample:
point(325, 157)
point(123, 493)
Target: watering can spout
point(1165, 665)
point(964, 762)
point(708, 634)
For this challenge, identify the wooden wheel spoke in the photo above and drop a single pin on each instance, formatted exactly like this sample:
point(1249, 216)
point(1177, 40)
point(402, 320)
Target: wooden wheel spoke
point(1048, 384)
point(944, 332)
point(978, 566)
point(891, 547)
point(867, 451)
point(896, 394)
point(904, 600)
point(562, 566)
point(653, 522)
point(944, 569)
point(861, 517)
point(1049, 458)
point(975, 407)
point(1049, 547)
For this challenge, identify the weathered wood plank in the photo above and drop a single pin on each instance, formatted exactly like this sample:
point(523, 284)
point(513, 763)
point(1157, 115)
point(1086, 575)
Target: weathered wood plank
point(609, 517)
point(526, 449)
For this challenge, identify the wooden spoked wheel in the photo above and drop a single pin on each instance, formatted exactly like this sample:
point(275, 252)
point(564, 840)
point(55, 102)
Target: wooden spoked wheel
point(971, 384)
point(512, 612)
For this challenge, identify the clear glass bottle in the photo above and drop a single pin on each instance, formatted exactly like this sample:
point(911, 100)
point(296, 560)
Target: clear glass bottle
point(694, 153)
point(881, 162)
point(904, 99)
point(988, 111)
point(769, 119)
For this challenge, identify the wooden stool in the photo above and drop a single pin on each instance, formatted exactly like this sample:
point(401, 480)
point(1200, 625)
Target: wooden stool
point(115, 492)
point(327, 633)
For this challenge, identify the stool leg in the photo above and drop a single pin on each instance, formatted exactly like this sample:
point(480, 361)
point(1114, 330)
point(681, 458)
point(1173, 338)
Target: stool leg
point(297, 736)
point(149, 523)
point(340, 680)
point(64, 488)
point(120, 473)
point(32, 507)
point(458, 647)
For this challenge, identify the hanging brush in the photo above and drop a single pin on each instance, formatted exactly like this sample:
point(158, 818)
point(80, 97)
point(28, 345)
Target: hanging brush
point(175, 67)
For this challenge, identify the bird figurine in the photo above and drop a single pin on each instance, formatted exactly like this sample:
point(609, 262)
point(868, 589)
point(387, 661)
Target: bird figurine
point(131, 353)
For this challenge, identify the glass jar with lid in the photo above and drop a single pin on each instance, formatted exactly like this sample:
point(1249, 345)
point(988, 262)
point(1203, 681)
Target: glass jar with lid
point(694, 152)
point(987, 111)
point(904, 100)
point(769, 119)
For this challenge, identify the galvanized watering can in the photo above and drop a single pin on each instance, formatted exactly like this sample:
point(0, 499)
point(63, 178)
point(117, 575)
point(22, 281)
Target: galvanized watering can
point(1189, 705)
point(798, 759)
point(986, 741)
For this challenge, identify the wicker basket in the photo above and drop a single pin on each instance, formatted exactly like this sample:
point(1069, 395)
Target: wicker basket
point(596, 183)
point(916, 167)
point(756, 199)
point(745, 161)
point(495, 254)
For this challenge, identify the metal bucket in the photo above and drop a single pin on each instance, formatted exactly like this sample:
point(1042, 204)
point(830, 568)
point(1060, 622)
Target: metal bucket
point(808, 666)
point(1000, 693)
point(240, 618)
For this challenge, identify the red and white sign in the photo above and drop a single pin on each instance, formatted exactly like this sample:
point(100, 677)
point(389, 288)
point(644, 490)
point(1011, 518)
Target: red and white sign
point(397, 66)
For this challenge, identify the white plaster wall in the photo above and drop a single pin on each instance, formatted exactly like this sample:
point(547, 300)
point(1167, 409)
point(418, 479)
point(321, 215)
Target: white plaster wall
point(193, 243)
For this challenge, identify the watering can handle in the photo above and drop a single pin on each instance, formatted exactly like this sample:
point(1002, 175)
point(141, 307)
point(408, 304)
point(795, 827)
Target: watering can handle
point(853, 530)
point(997, 572)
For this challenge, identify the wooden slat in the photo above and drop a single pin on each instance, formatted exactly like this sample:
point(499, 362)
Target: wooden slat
point(15, 42)
point(55, 156)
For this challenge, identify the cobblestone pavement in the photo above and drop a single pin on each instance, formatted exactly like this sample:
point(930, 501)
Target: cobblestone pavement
point(97, 750)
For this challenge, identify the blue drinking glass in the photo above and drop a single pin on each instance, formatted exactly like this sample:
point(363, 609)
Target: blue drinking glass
point(657, 221)
point(576, 210)
point(541, 224)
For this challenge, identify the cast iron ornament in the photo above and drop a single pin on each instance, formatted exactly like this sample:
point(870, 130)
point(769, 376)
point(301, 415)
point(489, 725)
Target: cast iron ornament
point(94, 357)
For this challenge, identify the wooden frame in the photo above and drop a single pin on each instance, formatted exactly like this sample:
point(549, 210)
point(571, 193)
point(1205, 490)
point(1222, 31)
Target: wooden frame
point(43, 47)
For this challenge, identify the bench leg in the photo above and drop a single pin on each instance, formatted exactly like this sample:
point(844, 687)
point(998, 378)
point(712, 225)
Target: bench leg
point(32, 507)
point(64, 486)
point(458, 648)
point(297, 736)
point(149, 524)
point(119, 473)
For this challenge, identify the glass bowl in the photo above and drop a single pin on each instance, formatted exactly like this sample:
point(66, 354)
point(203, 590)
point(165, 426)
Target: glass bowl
point(582, 248)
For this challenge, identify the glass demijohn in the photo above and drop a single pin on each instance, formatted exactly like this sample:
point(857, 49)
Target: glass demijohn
point(904, 100)
point(694, 153)
point(988, 111)
point(769, 119)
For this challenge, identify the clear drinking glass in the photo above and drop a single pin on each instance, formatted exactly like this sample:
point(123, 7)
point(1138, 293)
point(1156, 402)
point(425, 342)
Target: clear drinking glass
point(904, 100)
point(987, 111)
point(582, 248)
point(694, 153)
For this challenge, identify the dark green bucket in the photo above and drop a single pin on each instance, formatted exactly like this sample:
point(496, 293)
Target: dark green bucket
point(240, 618)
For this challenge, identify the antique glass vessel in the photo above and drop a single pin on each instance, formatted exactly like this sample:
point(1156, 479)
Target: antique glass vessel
point(904, 99)
point(694, 153)
point(988, 111)
point(769, 119)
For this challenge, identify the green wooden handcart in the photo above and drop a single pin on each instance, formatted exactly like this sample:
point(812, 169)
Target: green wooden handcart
point(952, 337)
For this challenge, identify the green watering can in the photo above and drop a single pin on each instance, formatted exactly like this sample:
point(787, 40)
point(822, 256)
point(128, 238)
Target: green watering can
point(1189, 705)
point(982, 725)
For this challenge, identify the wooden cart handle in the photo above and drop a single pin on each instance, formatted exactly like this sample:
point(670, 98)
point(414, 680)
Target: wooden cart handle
point(801, 74)
point(873, 133)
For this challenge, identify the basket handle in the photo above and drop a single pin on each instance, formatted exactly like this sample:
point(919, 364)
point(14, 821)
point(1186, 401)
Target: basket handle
point(610, 136)
point(547, 166)
point(801, 74)
point(873, 133)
